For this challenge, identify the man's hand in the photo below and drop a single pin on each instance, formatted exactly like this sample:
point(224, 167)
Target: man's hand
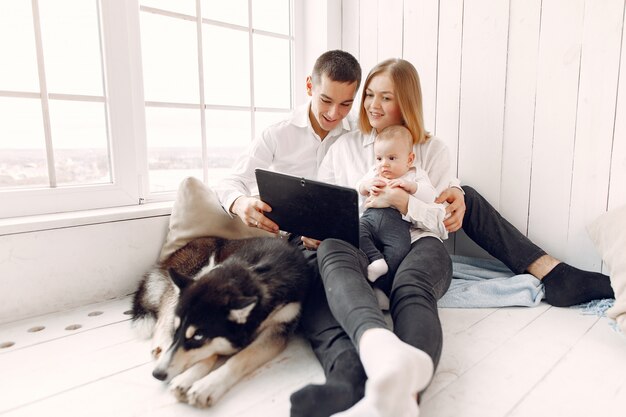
point(309, 243)
point(455, 209)
point(251, 212)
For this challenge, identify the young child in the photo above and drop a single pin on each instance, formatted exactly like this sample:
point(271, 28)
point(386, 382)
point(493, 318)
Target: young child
point(385, 227)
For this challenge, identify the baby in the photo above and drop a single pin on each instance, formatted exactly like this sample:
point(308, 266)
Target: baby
point(385, 228)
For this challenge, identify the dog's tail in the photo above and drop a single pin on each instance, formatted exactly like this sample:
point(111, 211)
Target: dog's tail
point(147, 301)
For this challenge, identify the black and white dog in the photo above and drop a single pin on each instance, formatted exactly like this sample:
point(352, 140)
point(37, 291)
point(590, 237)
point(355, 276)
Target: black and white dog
point(214, 297)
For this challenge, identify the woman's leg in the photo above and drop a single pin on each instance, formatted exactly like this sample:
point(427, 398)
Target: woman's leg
point(343, 269)
point(564, 285)
point(422, 278)
point(396, 371)
point(345, 376)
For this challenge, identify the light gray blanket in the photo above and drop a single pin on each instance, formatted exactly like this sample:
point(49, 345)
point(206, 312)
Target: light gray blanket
point(480, 282)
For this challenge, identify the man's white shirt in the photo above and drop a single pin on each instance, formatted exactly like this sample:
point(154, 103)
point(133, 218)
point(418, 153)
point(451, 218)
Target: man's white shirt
point(290, 146)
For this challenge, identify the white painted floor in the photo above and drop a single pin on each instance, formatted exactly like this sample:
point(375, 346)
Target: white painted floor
point(541, 361)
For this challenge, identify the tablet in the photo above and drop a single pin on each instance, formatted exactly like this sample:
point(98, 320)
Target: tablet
point(310, 208)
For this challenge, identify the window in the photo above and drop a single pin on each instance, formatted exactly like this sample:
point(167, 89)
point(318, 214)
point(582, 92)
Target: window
point(107, 103)
point(231, 77)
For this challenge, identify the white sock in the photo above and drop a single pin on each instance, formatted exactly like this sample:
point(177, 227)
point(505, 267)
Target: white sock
point(396, 373)
point(377, 269)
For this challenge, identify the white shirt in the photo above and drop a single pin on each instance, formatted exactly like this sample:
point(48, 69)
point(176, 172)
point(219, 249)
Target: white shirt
point(424, 189)
point(353, 154)
point(290, 146)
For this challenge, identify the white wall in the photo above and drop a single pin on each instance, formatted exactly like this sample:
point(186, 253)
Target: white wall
point(57, 269)
point(529, 95)
point(526, 94)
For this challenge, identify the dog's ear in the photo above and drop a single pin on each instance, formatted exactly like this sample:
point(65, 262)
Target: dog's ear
point(241, 309)
point(181, 281)
point(261, 268)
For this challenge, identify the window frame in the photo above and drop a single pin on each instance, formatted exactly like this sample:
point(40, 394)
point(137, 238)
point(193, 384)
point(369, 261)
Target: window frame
point(123, 99)
point(125, 107)
point(203, 106)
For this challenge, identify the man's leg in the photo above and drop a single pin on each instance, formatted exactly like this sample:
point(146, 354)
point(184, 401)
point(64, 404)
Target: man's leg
point(564, 285)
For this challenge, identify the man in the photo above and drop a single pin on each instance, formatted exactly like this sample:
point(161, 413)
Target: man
point(297, 145)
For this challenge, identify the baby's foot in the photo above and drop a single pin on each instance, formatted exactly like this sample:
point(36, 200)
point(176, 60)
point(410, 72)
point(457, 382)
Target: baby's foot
point(377, 269)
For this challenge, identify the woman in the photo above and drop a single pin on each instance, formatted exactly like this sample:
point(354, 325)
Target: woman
point(392, 95)
point(401, 363)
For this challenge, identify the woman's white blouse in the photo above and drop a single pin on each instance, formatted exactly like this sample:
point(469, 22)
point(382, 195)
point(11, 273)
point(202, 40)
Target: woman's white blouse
point(351, 156)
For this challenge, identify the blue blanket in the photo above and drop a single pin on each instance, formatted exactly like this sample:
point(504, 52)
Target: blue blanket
point(480, 282)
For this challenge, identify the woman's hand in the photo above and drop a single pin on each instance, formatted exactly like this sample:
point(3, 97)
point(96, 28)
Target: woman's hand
point(455, 210)
point(389, 197)
point(251, 212)
point(310, 244)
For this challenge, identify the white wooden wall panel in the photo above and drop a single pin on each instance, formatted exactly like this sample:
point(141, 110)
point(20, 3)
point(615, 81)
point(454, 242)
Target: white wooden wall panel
point(555, 123)
point(350, 27)
point(481, 117)
point(599, 68)
point(449, 74)
point(390, 26)
point(421, 21)
point(483, 76)
point(529, 95)
point(449, 48)
point(368, 38)
point(519, 111)
point(617, 184)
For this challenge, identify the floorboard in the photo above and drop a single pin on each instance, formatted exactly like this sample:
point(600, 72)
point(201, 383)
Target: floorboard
point(515, 362)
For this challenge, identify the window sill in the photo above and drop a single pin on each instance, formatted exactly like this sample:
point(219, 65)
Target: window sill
point(28, 224)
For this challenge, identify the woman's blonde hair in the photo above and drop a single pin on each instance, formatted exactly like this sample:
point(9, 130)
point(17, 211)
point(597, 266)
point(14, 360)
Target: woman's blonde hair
point(408, 92)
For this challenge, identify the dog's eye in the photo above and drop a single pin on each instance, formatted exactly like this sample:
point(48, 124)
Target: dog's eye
point(198, 336)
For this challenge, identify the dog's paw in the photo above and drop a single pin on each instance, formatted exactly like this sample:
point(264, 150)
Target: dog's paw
point(206, 391)
point(179, 386)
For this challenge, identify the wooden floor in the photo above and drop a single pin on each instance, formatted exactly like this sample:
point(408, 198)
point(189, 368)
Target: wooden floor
point(541, 361)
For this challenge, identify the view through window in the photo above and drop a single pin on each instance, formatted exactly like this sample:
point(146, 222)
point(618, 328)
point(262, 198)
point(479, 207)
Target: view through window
point(53, 129)
point(213, 75)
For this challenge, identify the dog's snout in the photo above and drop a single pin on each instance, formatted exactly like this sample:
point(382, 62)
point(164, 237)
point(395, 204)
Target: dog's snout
point(159, 374)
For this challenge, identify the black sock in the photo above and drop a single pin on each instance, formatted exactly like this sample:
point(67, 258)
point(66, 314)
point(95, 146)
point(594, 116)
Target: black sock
point(567, 286)
point(344, 387)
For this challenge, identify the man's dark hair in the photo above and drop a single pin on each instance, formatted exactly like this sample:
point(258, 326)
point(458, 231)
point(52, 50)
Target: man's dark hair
point(339, 66)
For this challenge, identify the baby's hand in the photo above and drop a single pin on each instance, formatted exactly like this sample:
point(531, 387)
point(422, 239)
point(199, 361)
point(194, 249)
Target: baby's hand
point(375, 185)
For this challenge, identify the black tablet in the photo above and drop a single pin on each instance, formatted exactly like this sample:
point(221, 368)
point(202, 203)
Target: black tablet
point(310, 208)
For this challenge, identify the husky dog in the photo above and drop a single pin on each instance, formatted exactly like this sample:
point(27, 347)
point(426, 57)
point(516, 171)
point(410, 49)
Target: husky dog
point(214, 297)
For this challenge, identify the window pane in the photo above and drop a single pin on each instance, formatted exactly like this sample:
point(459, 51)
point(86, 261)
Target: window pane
point(231, 11)
point(271, 15)
point(226, 66)
point(262, 120)
point(187, 7)
point(71, 44)
point(18, 71)
point(170, 59)
point(79, 139)
point(22, 146)
point(228, 133)
point(272, 69)
point(174, 146)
